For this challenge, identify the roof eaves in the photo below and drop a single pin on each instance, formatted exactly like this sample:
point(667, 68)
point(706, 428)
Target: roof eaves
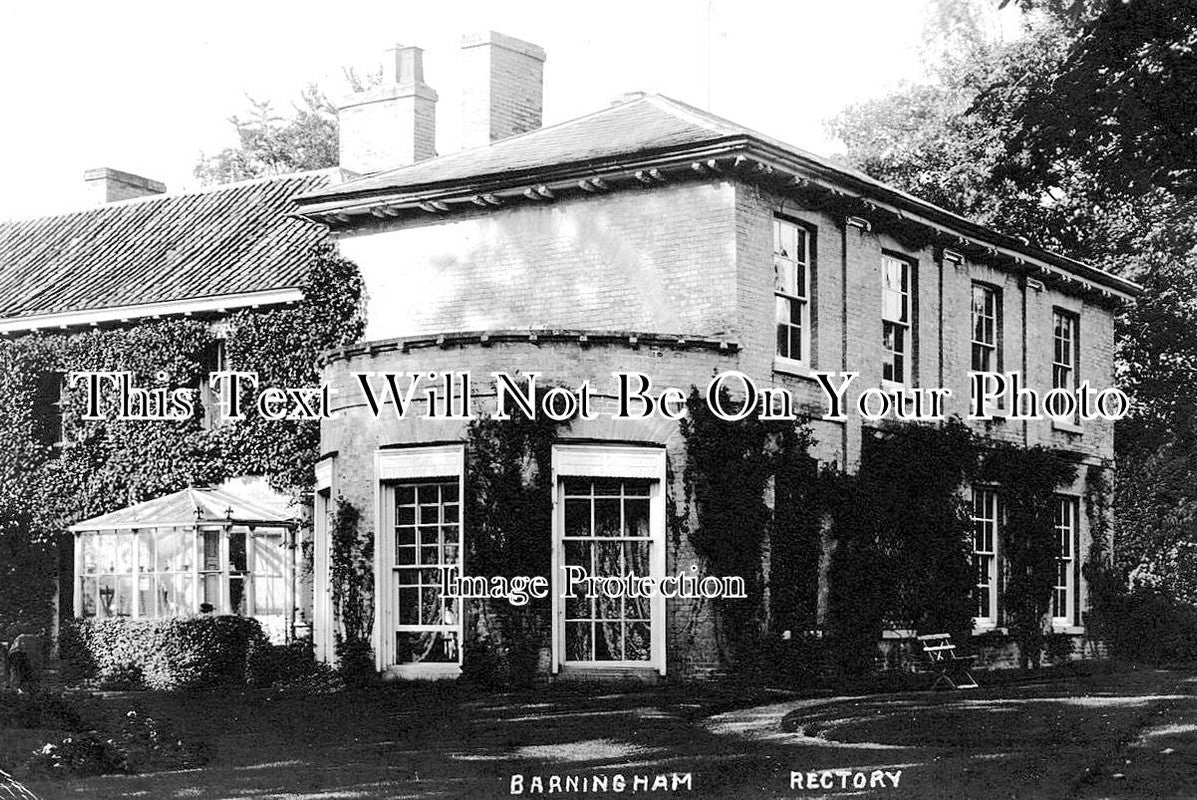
point(840, 180)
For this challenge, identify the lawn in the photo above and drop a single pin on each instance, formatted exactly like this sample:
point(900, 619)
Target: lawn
point(1113, 734)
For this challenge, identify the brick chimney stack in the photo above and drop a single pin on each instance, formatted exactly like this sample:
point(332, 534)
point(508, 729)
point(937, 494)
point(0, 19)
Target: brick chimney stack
point(503, 87)
point(107, 185)
point(393, 124)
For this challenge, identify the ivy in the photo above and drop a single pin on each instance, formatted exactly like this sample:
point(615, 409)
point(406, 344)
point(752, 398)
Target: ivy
point(1028, 479)
point(351, 583)
point(728, 467)
point(109, 464)
point(800, 501)
point(509, 502)
point(902, 543)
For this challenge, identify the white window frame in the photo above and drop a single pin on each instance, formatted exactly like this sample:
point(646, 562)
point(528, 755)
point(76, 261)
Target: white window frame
point(1069, 344)
point(906, 298)
point(610, 461)
point(1067, 533)
point(1064, 343)
point(431, 463)
point(799, 261)
point(994, 345)
point(992, 514)
point(208, 395)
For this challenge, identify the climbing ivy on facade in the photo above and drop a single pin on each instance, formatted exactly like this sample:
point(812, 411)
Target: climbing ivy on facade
point(104, 465)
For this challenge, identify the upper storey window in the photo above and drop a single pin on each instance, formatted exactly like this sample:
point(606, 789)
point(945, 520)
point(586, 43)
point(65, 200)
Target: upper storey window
point(791, 289)
point(897, 331)
point(986, 347)
point(1064, 349)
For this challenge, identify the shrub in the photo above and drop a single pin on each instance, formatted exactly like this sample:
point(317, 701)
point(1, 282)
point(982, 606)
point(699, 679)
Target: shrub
point(355, 661)
point(1151, 627)
point(149, 744)
point(163, 654)
point(38, 710)
point(269, 664)
point(78, 755)
point(142, 744)
point(797, 662)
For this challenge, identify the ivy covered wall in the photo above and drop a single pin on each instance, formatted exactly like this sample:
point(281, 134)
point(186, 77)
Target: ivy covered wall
point(105, 465)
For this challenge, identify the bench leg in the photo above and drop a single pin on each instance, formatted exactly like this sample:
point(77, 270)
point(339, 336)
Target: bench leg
point(942, 681)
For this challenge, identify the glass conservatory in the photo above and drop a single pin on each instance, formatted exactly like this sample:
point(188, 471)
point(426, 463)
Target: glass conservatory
point(195, 551)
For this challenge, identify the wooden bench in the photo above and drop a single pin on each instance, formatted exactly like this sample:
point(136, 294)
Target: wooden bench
point(951, 671)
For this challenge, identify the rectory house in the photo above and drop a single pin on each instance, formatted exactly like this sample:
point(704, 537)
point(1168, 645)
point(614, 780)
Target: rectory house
point(656, 237)
point(648, 236)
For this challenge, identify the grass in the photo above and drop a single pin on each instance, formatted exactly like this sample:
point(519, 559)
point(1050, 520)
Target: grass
point(1059, 736)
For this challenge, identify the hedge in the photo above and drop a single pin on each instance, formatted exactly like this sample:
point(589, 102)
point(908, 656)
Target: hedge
point(171, 654)
point(1150, 627)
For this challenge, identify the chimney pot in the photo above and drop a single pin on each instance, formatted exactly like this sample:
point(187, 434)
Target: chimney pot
point(504, 87)
point(107, 185)
point(628, 97)
point(393, 124)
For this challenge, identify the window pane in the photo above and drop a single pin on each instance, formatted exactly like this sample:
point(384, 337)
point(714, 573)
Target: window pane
point(90, 550)
point(145, 548)
point(431, 647)
point(578, 641)
point(606, 517)
point(785, 276)
point(145, 596)
point(237, 604)
point(237, 552)
point(124, 552)
point(637, 641)
point(268, 596)
point(89, 597)
point(107, 545)
point(269, 554)
point(211, 551)
point(577, 518)
point(210, 591)
point(174, 550)
point(175, 596)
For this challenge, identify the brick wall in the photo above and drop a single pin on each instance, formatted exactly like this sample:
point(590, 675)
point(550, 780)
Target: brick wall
point(689, 258)
point(503, 88)
point(354, 434)
point(387, 127)
point(660, 261)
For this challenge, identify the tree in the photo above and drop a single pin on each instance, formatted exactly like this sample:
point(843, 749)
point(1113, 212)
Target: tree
point(271, 144)
point(1081, 136)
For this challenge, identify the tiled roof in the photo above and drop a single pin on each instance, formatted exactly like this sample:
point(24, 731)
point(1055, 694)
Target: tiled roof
point(188, 507)
point(228, 240)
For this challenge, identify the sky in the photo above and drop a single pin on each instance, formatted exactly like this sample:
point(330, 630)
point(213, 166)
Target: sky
point(146, 87)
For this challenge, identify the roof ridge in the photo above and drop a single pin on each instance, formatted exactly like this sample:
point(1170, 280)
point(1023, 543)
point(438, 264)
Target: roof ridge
point(164, 196)
point(697, 116)
point(506, 139)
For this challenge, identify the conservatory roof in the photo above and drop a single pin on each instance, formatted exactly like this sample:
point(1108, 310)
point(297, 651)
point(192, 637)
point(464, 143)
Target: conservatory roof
point(187, 507)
